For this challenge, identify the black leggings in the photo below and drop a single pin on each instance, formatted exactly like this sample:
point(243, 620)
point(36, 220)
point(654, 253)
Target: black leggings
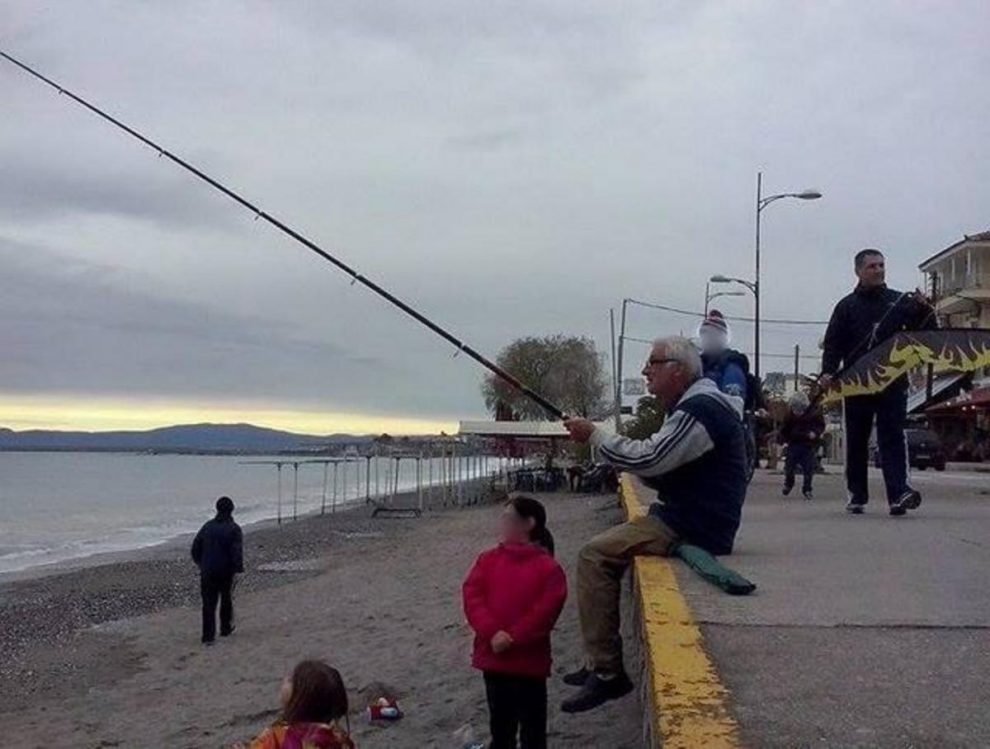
point(799, 457)
point(217, 588)
point(517, 706)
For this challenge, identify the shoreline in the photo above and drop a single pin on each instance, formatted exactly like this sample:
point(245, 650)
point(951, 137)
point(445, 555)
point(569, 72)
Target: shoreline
point(93, 593)
point(141, 551)
point(84, 653)
point(89, 592)
point(165, 546)
point(168, 547)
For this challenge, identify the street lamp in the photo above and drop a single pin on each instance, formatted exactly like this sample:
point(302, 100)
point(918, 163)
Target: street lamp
point(709, 296)
point(726, 279)
point(761, 203)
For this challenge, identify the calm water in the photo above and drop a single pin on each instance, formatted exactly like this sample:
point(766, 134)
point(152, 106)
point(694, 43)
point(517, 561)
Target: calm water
point(60, 506)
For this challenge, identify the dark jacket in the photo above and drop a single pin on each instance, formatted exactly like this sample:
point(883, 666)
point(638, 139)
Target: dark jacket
point(696, 462)
point(796, 427)
point(866, 317)
point(217, 548)
point(702, 500)
point(729, 370)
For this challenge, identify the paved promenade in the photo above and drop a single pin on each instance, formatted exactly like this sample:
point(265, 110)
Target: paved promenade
point(864, 631)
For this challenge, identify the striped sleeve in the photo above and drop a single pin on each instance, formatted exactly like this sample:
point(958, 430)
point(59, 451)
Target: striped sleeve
point(681, 439)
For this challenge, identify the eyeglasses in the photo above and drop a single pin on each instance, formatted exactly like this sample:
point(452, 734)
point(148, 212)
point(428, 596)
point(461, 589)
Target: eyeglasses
point(653, 360)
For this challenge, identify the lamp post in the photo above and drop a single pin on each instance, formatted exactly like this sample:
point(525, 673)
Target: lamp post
point(761, 203)
point(749, 285)
point(709, 296)
point(615, 373)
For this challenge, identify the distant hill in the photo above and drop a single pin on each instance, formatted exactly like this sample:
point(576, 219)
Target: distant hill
point(210, 438)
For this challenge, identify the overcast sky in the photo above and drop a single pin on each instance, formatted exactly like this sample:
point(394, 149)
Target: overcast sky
point(509, 168)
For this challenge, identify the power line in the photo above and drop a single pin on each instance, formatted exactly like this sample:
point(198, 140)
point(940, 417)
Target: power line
point(762, 355)
point(694, 313)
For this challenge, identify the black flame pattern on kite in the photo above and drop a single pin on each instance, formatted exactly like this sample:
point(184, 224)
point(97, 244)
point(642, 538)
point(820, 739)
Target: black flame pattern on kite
point(947, 350)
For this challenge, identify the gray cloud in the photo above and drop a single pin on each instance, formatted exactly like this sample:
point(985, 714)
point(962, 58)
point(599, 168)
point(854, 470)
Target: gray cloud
point(510, 168)
point(33, 192)
point(484, 141)
point(75, 327)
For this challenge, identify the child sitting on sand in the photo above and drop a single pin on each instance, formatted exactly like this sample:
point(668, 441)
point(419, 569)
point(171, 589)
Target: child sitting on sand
point(313, 700)
point(512, 598)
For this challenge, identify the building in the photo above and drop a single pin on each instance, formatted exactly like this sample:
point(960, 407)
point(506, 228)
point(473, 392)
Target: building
point(958, 278)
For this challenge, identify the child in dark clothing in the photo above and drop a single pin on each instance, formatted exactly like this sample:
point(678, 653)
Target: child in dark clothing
point(801, 431)
point(512, 597)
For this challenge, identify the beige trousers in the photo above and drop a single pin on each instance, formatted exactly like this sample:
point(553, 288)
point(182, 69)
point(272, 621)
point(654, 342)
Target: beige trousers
point(601, 564)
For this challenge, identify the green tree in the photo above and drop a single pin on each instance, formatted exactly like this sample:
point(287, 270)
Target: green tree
point(647, 420)
point(566, 370)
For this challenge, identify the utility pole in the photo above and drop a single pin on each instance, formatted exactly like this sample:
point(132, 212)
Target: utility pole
point(618, 365)
point(756, 279)
point(797, 367)
point(616, 388)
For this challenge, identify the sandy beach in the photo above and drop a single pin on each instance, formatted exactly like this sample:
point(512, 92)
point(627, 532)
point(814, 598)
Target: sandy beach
point(109, 655)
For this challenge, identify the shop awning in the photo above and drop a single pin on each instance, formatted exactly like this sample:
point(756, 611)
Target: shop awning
point(974, 400)
point(917, 401)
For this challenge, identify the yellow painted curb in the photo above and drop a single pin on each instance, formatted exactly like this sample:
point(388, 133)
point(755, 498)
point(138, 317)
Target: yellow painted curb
point(686, 697)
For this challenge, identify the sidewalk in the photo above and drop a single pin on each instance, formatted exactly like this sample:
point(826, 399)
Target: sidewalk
point(864, 631)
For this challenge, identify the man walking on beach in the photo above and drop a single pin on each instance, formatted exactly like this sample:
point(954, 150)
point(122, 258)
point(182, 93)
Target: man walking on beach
point(218, 551)
point(860, 321)
point(697, 464)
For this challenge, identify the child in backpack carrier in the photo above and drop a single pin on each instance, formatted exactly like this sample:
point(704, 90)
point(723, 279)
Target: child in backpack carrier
point(801, 431)
point(512, 598)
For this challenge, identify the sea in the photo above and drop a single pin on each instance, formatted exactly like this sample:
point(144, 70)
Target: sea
point(63, 506)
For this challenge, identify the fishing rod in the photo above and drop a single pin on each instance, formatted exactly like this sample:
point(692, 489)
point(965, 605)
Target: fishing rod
point(309, 244)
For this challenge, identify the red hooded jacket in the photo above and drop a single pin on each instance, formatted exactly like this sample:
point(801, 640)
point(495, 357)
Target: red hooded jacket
point(518, 588)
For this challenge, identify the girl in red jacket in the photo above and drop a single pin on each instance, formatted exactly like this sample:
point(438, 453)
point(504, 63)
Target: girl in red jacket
point(512, 598)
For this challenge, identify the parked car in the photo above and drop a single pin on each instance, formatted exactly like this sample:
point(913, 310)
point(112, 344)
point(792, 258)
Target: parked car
point(924, 450)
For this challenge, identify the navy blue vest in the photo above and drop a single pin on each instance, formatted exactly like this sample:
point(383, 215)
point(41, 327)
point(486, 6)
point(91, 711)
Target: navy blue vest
point(702, 500)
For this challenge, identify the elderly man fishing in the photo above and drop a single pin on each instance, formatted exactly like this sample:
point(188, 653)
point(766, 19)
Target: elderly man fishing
point(697, 464)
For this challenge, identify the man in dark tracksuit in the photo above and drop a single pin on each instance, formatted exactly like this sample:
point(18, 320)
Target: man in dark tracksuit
point(217, 550)
point(860, 321)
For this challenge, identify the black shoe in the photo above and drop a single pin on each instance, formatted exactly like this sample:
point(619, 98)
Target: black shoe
point(855, 508)
point(910, 499)
point(597, 691)
point(577, 678)
point(786, 490)
point(207, 642)
point(229, 632)
point(808, 495)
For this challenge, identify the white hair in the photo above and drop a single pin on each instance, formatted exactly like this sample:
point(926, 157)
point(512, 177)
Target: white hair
point(680, 348)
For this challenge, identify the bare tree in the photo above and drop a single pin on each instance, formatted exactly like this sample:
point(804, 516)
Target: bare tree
point(566, 370)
